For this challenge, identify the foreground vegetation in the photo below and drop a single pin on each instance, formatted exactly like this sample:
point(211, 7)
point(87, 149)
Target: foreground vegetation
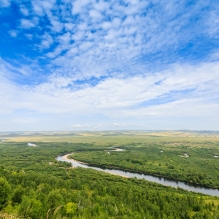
point(34, 185)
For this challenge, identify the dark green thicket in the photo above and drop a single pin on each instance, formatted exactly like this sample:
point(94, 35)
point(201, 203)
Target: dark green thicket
point(4, 192)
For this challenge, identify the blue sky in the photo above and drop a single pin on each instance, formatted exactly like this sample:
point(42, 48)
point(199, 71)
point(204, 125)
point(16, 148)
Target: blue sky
point(103, 65)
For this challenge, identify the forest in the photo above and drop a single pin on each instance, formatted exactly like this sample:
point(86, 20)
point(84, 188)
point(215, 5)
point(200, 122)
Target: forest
point(195, 163)
point(33, 184)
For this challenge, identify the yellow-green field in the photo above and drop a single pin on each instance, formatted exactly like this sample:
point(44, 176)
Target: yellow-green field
point(116, 137)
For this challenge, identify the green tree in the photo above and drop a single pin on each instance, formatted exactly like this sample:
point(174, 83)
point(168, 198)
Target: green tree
point(31, 207)
point(17, 196)
point(70, 208)
point(4, 192)
point(54, 199)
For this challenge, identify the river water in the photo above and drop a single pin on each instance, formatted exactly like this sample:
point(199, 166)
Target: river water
point(160, 180)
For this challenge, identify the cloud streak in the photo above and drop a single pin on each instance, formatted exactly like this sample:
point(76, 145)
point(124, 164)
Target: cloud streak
point(175, 87)
point(124, 60)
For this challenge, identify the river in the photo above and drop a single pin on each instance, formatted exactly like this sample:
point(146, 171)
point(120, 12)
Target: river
point(160, 180)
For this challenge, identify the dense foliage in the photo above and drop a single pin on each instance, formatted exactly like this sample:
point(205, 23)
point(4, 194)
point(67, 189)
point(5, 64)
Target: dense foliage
point(193, 163)
point(37, 186)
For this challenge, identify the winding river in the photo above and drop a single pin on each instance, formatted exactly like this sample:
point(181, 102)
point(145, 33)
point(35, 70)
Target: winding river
point(160, 180)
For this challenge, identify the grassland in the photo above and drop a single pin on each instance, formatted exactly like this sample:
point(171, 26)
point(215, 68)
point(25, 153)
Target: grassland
point(112, 137)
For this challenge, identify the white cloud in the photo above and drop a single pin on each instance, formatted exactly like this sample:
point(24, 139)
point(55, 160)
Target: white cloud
point(69, 26)
point(100, 57)
point(26, 24)
point(101, 6)
point(65, 38)
point(29, 36)
point(37, 8)
point(78, 35)
point(24, 10)
point(95, 14)
point(123, 94)
point(47, 41)
point(184, 91)
point(116, 22)
point(78, 6)
point(80, 126)
point(118, 124)
point(106, 25)
point(13, 33)
point(5, 3)
point(213, 24)
point(76, 126)
point(120, 34)
point(85, 46)
point(40, 6)
point(56, 25)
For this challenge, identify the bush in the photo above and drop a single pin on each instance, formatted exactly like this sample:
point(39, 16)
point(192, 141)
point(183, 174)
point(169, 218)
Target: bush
point(4, 192)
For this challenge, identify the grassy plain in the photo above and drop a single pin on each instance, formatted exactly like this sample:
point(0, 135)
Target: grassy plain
point(112, 137)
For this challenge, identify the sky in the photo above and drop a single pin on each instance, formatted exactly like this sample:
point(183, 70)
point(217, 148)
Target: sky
point(109, 65)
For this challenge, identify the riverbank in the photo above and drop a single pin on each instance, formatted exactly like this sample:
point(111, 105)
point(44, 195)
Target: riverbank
point(112, 167)
point(66, 157)
point(76, 163)
point(156, 179)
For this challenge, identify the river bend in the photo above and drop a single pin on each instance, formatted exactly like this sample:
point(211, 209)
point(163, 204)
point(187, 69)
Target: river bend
point(160, 180)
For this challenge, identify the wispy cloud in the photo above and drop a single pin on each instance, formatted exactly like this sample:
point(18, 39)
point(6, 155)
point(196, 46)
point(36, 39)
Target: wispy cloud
point(80, 126)
point(5, 3)
point(213, 24)
point(24, 10)
point(13, 33)
point(26, 24)
point(176, 87)
point(128, 60)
